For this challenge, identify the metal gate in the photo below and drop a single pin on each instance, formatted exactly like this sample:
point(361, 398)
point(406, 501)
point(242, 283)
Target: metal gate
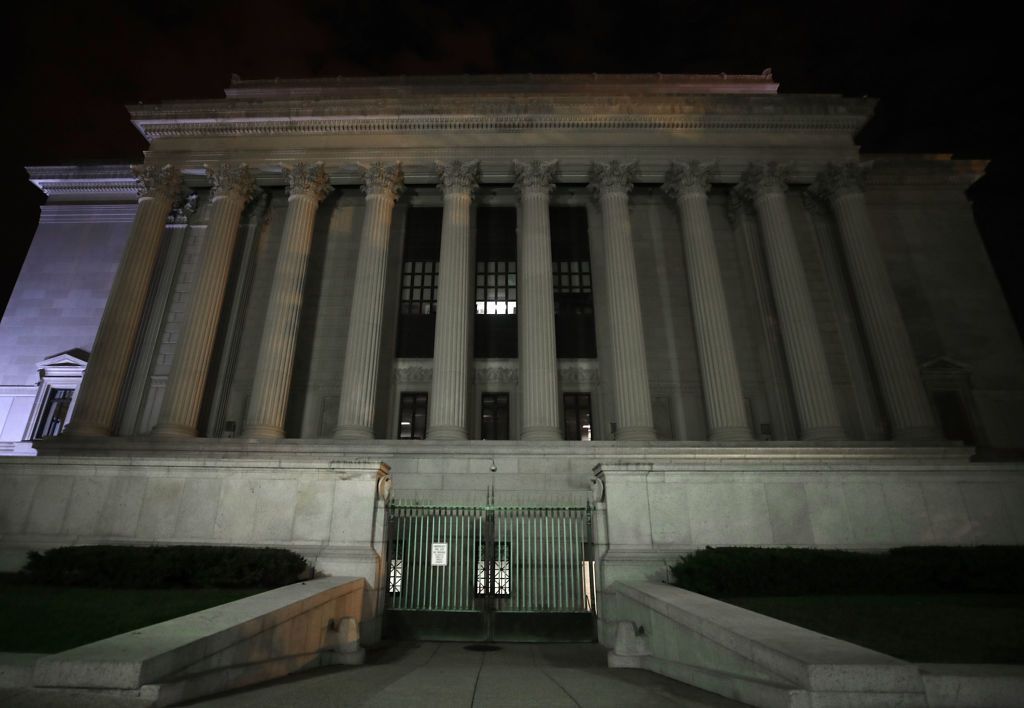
point(509, 573)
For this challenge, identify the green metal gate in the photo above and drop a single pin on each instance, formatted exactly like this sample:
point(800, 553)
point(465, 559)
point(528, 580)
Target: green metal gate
point(509, 573)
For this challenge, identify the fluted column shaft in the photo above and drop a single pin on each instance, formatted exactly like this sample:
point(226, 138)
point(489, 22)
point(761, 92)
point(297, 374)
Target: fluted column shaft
point(179, 413)
point(905, 400)
point(98, 396)
point(720, 374)
point(362, 348)
point(447, 412)
point(307, 186)
point(535, 308)
point(805, 353)
point(612, 183)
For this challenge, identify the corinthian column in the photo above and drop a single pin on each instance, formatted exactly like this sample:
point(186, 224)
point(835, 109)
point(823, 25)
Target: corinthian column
point(97, 398)
point(447, 415)
point(233, 187)
point(307, 186)
point(381, 183)
point(612, 182)
point(765, 184)
point(720, 375)
point(902, 390)
point(535, 309)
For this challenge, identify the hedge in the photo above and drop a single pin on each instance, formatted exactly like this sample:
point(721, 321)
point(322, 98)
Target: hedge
point(164, 567)
point(743, 571)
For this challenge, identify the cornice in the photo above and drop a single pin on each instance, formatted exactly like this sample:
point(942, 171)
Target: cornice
point(85, 182)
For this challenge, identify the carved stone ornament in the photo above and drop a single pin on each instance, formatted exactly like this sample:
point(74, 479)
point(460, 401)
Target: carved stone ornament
point(612, 176)
point(458, 176)
point(596, 490)
point(738, 207)
point(836, 180)
point(576, 374)
point(384, 486)
point(535, 175)
point(497, 375)
point(414, 374)
point(311, 180)
point(183, 210)
point(688, 177)
point(380, 179)
point(158, 182)
point(232, 180)
point(763, 178)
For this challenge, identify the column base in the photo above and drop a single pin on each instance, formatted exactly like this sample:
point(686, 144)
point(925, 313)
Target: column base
point(920, 433)
point(263, 432)
point(85, 429)
point(541, 432)
point(446, 432)
point(642, 433)
point(353, 432)
point(735, 434)
point(174, 431)
point(824, 434)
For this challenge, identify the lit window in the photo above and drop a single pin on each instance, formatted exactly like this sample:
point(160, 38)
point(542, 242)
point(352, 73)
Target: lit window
point(500, 571)
point(412, 416)
point(576, 410)
point(496, 288)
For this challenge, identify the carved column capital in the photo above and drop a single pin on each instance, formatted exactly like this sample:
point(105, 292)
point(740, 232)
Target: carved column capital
point(232, 180)
point(688, 178)
point(457, 176)
point(836, 180)
point(763, 178)
point(535, 175)
point(183, 209)
point(309, 180)
point(612, 177)
point(382, 179)
point(158, 182)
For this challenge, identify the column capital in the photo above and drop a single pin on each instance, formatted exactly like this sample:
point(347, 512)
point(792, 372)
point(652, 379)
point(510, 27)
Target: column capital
point(535, 175)
point(688, 178)
point(763, 178)
point(158, 182)
point(383, 179)
point(839, 179)
point(307, 180)
point(612, 176)
point(457, 176)
point(232, 180)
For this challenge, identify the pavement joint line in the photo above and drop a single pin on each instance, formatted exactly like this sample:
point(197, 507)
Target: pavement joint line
point(555, 681)
point(476, 681)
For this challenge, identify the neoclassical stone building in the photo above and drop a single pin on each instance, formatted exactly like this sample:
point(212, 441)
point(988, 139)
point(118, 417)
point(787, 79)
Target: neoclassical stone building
point(687, 299)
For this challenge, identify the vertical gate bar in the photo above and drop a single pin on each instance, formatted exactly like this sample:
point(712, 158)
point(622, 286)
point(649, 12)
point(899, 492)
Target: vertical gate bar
point(421, 596)
point(577, 566)
point(571, 561)
point(399, 538)
point(414, 522)
point(542, 556)
point(434, 523)
point(448, 566)
point(528, 523)
point(563, 581)
point(456, 557)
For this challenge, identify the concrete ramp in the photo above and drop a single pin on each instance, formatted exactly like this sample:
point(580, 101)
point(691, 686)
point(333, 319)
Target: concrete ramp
point(254, 639)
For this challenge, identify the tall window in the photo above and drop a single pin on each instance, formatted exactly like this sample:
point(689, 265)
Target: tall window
point(55, 412)
point(576, 413)
point(418, 297)
point(494, 416)
point(496, 287)
point(412, 416)
point(573, 289)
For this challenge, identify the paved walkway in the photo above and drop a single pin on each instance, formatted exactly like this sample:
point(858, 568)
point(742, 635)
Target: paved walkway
point(418, 675)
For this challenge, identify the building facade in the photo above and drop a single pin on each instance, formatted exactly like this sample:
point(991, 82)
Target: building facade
point(687, 290)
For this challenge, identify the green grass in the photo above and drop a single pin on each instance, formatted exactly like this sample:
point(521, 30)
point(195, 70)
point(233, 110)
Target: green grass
point(46, 619)
point(968, 629)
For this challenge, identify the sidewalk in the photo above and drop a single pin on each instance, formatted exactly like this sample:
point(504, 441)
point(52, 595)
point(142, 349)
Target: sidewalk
point(418, 675)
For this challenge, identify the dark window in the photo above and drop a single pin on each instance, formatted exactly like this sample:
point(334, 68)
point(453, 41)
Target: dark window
point(571, 278)
point(55, 412)
point(953, 416)
point(576, 412)
point(418, 296)
point(494, 416)
point(494, 326)
point(412, 416)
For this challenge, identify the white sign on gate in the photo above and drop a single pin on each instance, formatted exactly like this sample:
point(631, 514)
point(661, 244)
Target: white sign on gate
point(439, 554)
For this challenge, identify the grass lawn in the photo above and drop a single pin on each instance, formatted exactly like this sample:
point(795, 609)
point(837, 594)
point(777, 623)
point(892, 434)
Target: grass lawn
point(41, 618)
point(966, 629)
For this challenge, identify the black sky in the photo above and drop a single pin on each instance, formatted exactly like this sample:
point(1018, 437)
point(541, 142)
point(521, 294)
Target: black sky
point(946, 74)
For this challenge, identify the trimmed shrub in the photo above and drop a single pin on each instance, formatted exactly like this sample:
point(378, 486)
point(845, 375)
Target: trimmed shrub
point(164, 566)
point(742, 571)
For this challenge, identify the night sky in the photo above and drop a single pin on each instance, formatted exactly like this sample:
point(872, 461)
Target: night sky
point(945, 78)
